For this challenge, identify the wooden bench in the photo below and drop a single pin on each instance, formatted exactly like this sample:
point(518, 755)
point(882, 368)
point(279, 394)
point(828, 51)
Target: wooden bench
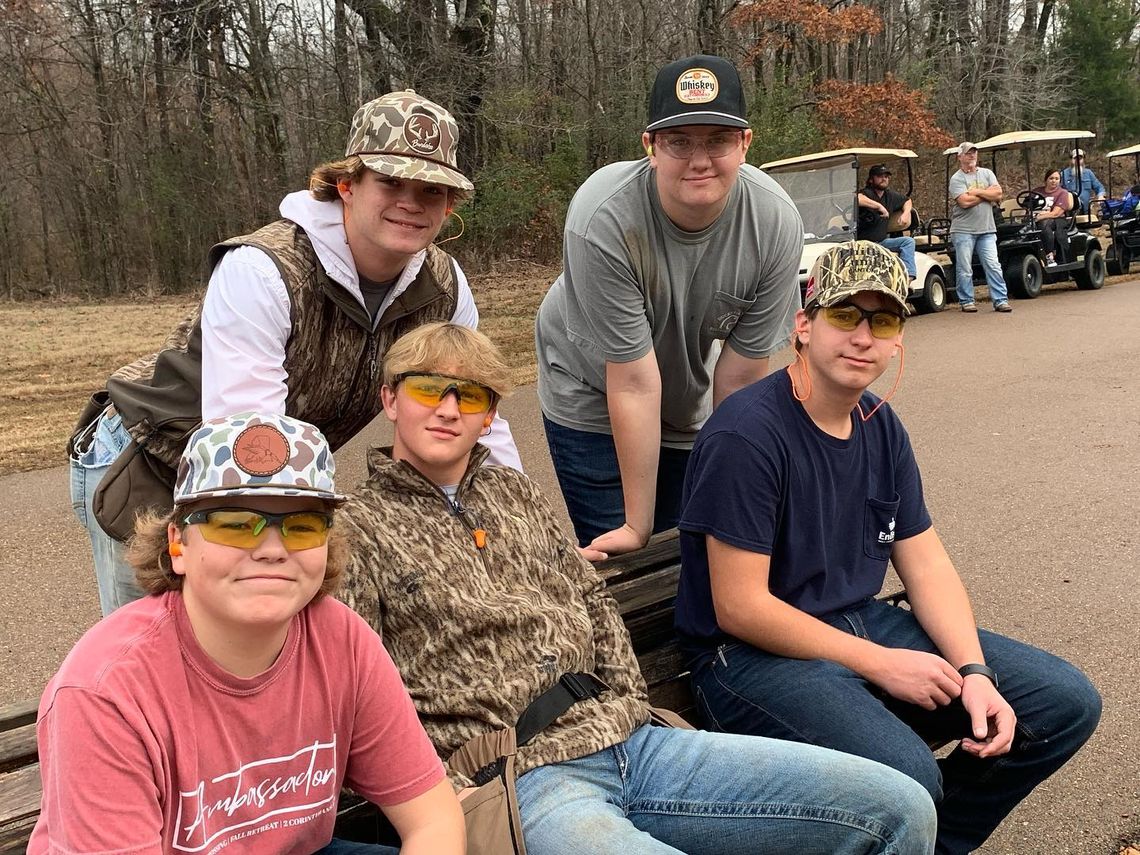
point(19, 775)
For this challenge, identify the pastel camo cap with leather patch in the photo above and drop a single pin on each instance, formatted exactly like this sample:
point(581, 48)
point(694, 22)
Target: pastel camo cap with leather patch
point(848, 268)
point(256, 455)
point(405, 135)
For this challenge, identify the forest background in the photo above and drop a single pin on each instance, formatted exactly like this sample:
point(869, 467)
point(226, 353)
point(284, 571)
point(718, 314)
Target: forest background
point(136, 133)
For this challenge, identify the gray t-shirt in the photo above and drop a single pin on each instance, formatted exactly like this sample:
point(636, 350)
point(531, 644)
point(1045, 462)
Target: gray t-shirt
point(633, 281)
point(978, 220)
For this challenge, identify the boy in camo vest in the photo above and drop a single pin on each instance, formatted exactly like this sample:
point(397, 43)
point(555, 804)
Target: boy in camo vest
point(485, 604)
point(298, 315)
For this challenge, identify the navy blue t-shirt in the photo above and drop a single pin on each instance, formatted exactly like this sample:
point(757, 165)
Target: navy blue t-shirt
point(763, 477)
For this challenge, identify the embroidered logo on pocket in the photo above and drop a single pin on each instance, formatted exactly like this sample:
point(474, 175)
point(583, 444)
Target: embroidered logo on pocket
point(879, 527)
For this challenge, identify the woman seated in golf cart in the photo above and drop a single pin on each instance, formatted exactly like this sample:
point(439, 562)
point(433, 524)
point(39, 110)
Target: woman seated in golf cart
point(1053, 218)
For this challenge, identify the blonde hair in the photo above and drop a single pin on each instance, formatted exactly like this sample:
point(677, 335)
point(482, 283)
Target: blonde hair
point(147, 553)
point(323, 180)
point(440, 345)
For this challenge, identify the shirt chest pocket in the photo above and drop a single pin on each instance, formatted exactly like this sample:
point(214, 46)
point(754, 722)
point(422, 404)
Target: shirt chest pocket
point(723, 314)
point(879, 527)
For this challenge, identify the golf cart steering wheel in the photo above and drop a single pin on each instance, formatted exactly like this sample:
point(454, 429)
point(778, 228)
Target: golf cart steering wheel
point(1031, 201)
point(847, 214)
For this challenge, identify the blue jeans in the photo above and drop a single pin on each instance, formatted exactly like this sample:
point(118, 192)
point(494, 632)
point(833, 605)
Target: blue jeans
point(587, 468)
point(904, 246)
point(347, 847)
point(685, 791)
point(964, 266)
point(115, 578)
point(744, 690)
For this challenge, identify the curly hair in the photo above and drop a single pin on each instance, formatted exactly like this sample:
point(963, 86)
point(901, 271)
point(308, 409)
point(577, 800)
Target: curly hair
point(147, 553)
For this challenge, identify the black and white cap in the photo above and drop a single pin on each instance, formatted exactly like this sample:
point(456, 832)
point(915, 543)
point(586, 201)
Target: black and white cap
point(697, 90)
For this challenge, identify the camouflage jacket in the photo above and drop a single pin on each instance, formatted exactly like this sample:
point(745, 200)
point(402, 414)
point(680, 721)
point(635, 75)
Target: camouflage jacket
point(332, 357)
point(479, 633)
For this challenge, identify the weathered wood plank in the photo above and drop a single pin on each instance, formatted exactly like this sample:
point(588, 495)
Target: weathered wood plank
point(17, 747)
point(14, 837)
point(19, 794)
point(662, 549)
point(649, 590)
point(18, 714)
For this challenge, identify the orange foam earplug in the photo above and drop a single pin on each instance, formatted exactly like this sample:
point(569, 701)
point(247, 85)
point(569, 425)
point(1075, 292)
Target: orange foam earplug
point(175, 550)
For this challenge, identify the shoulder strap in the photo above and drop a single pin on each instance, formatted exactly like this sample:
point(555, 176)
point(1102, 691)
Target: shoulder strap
point(543, 710)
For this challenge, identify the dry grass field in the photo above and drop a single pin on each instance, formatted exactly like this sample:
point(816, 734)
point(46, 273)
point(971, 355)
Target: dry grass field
point(54, 354)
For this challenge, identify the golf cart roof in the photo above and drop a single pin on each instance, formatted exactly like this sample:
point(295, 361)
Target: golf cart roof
point(1023, 139)
point(1124, 152)
point(837, 156)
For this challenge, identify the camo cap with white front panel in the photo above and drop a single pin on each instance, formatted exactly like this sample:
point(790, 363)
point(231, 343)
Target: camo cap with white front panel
point(405, 135)
point(848, 268)
point(252, 454)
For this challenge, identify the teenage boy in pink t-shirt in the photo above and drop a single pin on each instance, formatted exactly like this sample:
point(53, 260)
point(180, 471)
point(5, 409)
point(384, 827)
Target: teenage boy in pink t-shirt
point(228, 709)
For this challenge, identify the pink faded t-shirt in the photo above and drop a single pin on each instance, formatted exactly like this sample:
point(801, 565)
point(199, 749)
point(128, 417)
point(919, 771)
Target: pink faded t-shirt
point(147, 745)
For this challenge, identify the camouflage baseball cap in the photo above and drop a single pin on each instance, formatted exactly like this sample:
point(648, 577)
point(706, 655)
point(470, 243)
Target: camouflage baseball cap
point(405, 135)
point(848, 268)
point(251, 454)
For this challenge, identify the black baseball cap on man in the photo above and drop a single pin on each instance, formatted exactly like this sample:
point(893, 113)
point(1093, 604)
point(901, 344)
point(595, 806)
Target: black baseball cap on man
point(878, 169)
point(697, 90)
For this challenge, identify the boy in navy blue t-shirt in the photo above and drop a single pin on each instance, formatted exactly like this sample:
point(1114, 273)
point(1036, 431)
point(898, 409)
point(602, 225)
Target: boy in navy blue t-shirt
point(800, 488)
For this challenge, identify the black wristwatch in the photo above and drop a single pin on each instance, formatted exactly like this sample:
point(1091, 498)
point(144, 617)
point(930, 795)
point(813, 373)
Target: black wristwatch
point(976, 668)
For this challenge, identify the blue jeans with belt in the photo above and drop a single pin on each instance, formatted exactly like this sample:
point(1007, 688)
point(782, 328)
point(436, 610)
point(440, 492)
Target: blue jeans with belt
point(89, 463)
point(668, 792)
point(741, 689)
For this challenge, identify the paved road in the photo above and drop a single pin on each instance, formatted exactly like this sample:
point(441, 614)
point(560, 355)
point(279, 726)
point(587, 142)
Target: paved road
point(1027, 427)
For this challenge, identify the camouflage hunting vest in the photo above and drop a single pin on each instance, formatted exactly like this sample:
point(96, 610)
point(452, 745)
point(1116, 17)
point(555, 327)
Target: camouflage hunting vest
point(332, 356)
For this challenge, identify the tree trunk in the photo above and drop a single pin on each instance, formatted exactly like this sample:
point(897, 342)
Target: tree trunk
point(340, 56)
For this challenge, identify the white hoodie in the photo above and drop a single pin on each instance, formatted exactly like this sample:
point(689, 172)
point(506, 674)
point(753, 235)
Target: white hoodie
point(245, 319)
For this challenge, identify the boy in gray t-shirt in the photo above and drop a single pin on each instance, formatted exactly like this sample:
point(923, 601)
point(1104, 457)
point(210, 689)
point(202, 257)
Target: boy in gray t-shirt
point(973, 193)
point(680, 279)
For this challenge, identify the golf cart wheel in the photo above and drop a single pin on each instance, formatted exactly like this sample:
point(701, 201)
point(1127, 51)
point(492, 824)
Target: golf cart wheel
point(933, 298)
point(1024, 277)
point(1092, 277)
point(1120, 262)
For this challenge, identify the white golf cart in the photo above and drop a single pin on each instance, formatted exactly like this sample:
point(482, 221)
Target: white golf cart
point(824, 187)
